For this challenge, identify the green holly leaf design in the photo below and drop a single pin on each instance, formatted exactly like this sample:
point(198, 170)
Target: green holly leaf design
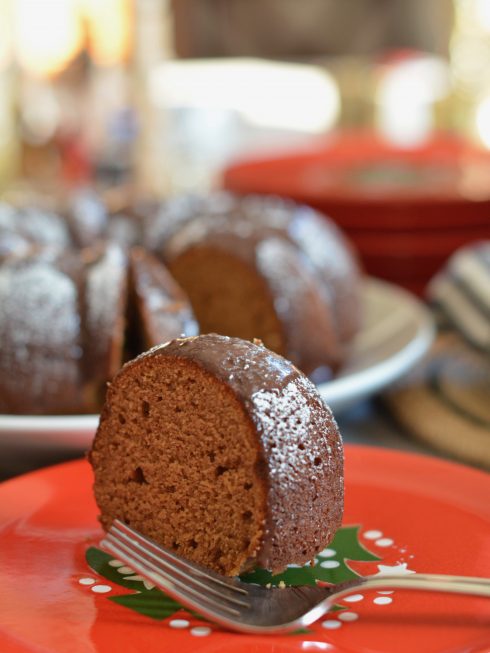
point(156, 604)
point(327, 568)
point(151, 603)
point(100, 562)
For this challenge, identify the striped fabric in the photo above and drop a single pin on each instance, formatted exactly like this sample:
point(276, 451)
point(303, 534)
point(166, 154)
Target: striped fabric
point(461, 293)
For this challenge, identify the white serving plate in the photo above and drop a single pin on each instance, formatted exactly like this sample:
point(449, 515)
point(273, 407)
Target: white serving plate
point(398, 330)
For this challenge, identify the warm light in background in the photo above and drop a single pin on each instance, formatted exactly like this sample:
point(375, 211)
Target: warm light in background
point(50, 33)
point(406, 95)
point(483, 121)
point(210, 111)
point(483, 13)
point(266, 94)
point(5, 34)
point(470, 47)
point(109, 24)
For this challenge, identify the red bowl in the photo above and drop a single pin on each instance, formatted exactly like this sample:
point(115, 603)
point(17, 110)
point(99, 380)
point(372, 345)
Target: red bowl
point(406, 211)
point(420, 244)
point(363, 182)
point(403, 269)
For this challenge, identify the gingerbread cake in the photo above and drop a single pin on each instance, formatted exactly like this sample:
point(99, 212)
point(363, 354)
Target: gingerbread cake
point(249, 267)
point(223, 451)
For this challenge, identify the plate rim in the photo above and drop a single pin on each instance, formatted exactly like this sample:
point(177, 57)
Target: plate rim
point(387, 370)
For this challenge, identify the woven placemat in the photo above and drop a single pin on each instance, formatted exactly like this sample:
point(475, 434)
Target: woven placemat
point(445, 401)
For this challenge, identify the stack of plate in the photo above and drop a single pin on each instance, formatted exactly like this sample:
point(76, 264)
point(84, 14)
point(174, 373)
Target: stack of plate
point(405, 210)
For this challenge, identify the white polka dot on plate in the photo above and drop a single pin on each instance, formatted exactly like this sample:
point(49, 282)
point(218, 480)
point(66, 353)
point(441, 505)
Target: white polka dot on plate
point(372, 535)
point(101, 589)
point(200, 631)
point(384, 541)
point(353, 598)
point(179, 623)
point(385, 591)
point(115, 563)
point(382, 600)
point(327, 553)
point(330, 564)
point(348, 616)
point(331, 624)
point(86, 581)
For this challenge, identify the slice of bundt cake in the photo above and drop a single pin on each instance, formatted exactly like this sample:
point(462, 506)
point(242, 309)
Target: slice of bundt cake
point(162, 307)
point(222, 451)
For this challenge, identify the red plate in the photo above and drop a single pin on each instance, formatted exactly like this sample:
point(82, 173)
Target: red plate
point(413, 513)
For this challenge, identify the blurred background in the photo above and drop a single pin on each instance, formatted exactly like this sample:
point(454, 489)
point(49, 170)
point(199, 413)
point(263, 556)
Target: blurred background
point(159, 97)
point(163, 94)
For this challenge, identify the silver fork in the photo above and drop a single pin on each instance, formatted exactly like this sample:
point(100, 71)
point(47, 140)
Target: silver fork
point(251, 608)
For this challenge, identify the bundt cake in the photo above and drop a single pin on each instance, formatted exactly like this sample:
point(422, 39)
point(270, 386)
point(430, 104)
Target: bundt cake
point(251, 267)
point(86, 217)
point(223, 451)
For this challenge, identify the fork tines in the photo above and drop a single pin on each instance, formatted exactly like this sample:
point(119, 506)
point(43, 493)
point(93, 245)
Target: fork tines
point(193, 585)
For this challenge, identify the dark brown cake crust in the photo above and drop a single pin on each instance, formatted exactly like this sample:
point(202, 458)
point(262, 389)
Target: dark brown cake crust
point(300, 449)
point(302, 306)
point(163, 307)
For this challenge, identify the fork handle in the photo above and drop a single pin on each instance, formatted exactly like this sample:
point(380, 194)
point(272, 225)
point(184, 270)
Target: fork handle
point(429, 582)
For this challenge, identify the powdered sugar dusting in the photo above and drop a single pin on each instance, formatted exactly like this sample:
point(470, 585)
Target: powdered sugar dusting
point(39, 332)
point(103, 287)
point(299, 433)
point(303, 308)
point(105, 281)
point(34, 225)
point(43, 227)
point(31, 298)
